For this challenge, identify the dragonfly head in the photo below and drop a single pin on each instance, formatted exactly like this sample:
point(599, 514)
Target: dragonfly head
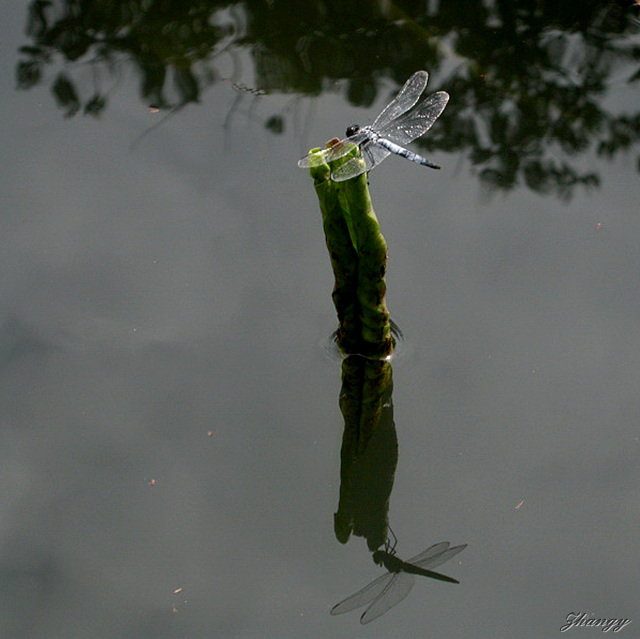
point(352, 130)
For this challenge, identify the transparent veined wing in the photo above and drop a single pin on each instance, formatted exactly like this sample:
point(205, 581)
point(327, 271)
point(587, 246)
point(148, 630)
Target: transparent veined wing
point(335, 152)
point(412, 125)
point(436, 555)
point(408, 96)
point(364, 596)
point(372, 154)
point(394, 593)
point(431, 551)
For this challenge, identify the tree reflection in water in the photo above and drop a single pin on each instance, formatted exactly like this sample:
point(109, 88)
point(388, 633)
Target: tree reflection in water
point(528, 81)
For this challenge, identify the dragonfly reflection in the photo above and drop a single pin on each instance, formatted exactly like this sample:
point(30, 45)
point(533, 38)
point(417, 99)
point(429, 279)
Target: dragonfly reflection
point(385, 592)
point(396, 125)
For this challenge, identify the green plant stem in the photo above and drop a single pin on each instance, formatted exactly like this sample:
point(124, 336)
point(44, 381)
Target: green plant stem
point(358, 254)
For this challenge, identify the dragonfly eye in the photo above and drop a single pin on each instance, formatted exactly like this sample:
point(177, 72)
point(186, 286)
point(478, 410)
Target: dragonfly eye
point(352, 130)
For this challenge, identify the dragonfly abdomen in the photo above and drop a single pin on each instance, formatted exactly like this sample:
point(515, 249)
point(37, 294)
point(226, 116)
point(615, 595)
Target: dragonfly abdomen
point(405, 153)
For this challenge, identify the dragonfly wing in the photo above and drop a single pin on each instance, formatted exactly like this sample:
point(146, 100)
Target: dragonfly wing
point(397, 589)
point(312, 159)
point(350, 169)
point(364, 596)
point(417, 122)
point(437, 560)
point(338, 150)
point(372, 154)
point(408, 96)
point(431, 551)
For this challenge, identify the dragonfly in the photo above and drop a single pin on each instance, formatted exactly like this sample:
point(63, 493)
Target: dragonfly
point(398, 123)
point(390, 589)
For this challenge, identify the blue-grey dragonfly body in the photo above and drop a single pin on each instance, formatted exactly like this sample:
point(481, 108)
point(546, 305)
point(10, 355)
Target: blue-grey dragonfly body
point(385, 592)
point(399, 123)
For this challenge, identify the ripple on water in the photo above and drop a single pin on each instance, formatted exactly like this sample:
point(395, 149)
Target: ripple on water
point(400, 353)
